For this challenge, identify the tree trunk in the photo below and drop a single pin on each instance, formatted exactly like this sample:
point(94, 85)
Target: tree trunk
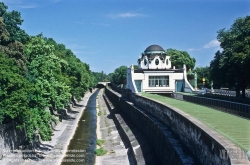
point(73, 100)
point(237, 90)
point(243, 88)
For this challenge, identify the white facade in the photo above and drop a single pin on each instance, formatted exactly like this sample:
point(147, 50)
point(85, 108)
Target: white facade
point(145, 64)
point(155, 75)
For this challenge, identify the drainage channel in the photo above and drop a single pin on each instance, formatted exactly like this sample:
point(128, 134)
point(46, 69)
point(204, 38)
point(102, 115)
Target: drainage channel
point(81, 148)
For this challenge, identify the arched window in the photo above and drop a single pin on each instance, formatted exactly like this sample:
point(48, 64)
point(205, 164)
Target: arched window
point(167, 61)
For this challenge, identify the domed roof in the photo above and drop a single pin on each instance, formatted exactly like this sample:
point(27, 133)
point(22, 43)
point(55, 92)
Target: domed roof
point(154, 48)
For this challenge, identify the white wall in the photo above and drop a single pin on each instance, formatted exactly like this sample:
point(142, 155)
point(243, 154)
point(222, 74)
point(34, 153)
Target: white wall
point(145, 77)
point(152, 65)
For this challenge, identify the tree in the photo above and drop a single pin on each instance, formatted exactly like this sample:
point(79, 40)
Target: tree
point(43, 65)
point(178, 58)
point(12, 36)
point(13, 21)
point(36, 73)
point(100, 77)
point(119, 75)
point(14, 91)
point(135, 67)
point(203, 72)
point(235, 58)
point(75, 74)
point(219, 67)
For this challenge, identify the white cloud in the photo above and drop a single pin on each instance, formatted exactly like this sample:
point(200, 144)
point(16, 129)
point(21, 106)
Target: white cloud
point(211, 44)
point(126, 15)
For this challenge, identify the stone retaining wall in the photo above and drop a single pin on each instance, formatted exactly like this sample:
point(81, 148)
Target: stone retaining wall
point(204, 143)
point(11, 139)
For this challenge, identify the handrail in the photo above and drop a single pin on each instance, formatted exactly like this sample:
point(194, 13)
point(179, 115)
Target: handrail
point(223, 92)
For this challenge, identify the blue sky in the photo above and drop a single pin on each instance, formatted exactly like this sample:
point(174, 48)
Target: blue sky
point(111, 33)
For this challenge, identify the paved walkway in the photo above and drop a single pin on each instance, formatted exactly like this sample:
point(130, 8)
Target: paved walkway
point(52, 152)
point(106, 129)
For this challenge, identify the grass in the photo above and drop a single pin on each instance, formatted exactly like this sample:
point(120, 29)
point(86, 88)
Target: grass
point(234, 128)
point(100, 142)
point(100, 151)
point(99, 113)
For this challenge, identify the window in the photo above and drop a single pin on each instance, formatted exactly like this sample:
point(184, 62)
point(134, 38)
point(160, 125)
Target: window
point(158, 81)
point(167, 61)
point(156, 62)
point(145, 62)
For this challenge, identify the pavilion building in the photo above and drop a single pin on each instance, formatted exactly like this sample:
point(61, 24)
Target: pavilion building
point(155, 74)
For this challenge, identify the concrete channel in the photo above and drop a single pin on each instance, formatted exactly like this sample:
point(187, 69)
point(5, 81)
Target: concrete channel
point(84, 139)
point(124, 143)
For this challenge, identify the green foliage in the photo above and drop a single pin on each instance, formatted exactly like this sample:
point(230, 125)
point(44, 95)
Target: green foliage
point(4, 34)
point(100, 77)
point(76, 74)
point(203, 72)
point(233, 63)
point(119, 75)
point(14, 90)
point(100, 142)
point(178, 58)
point(99, 113)
point(135, 67)
point(42, 66)
point(100, 151)
point(38, 121)
point(216, 71)
point(13, 21)
point(37, 77)
point(13, 48)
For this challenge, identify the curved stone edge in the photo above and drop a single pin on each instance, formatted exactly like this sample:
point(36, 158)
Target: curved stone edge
point(223, 142)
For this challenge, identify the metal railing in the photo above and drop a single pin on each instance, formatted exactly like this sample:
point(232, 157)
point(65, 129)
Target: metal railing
point(226, 106)
point(224, 92)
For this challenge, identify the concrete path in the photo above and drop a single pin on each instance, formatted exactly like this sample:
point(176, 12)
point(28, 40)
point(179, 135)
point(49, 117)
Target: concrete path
point(117, 152)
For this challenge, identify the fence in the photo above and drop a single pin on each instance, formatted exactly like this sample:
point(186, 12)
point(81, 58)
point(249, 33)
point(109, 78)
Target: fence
point(226, 92)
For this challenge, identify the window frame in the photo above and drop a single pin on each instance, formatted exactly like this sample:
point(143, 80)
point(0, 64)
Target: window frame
point(158, 81)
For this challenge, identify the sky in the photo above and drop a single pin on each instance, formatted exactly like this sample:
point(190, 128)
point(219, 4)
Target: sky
point(111, 33)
